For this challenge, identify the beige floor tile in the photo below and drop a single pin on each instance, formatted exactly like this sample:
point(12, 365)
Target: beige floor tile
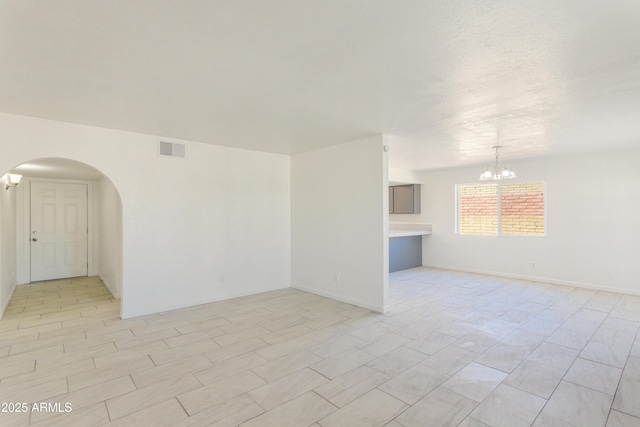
point(472, 422)
point(478, 342)
point(15, 419)
point(569, 338)
point(545, 420)
point(168, 413)
point(304, 410)
point(415, 329)
point(169, 355)
point(33, 391)
point(619, 419)
point(509, 407)
point(213, 394)
point(536, 378)
point(504, 357)
point(229, 367)
point(89, 396)
point(145, 339)
point(91, 416)
point(96, 376)
point(234, 350)
point(594, 375)
point(524, 338)
point(80, 351)
point(42, 343)
point(343, 362)
point(375, 408)
point(229, 413)
point(554, 355)
point(440, 408)
point(372, 331)
point(397, 361)
point(439, 320)
point(62, 370)
point(129, 403)
point(626, 398)
point(124, 356)
point(226, 340)
point(286, 365)
point(383, 344)
point(411, 385)
point(475, 381)
point(333, 346)
point(606, 354)
point(579, 405)
point(193, 337)
point(191, 364)
point(281, 349)
point(450, 359)
point(350, 386)
point(203, 325)
point(287, 388)
point(18, 368)
point(432, 342)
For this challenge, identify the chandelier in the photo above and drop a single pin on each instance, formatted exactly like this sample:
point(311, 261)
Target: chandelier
point(497, 171)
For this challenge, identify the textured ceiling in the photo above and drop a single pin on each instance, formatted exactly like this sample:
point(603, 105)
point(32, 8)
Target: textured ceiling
point(445, 80)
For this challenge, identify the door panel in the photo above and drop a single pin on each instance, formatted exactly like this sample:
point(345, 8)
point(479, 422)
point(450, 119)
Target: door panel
point(59, 234)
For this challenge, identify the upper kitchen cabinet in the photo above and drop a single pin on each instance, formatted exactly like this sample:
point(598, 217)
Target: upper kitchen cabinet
point(404, 199)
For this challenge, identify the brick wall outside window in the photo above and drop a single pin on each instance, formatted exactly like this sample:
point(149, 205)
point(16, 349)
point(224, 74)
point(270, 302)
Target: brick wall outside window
point(521, 207)
point(478, 209)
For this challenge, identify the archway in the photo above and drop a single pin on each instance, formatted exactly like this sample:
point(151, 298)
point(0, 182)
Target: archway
point(103, 224)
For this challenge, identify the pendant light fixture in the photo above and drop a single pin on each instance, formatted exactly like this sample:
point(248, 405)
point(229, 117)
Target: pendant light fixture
point(497, 171)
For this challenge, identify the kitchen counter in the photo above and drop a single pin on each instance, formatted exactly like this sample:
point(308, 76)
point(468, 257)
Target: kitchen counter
point(405, 244)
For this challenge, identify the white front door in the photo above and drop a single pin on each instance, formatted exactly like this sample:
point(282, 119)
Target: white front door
point(59, 233)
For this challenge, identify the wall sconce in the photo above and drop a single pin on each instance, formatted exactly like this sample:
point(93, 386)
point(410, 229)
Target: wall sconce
point(13, 179)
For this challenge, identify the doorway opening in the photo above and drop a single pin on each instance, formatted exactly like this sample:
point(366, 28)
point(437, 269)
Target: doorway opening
point(68, 224)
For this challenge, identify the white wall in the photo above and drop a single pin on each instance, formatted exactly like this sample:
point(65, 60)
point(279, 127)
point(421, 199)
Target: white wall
point(223, 212)
point(110, 236)
point(593, 224)
point(7, 244)
point(339, 221)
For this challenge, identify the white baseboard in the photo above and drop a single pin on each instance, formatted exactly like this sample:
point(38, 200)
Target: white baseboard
point(109, 286)
point(6, 303)
point(340, 298)
point(537, 279)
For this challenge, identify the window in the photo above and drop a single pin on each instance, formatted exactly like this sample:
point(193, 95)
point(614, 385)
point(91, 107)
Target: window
point(514, 208)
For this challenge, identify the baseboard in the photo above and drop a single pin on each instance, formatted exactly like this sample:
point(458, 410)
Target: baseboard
point(6, 303)
point(109, 286)
point(340, 298)
point(171, 307)
point(537, 279)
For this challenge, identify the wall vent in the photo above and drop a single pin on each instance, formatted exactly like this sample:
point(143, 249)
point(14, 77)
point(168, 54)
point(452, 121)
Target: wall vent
point(172, 149)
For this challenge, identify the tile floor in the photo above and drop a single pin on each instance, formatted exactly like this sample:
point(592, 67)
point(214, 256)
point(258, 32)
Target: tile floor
point(454, 350)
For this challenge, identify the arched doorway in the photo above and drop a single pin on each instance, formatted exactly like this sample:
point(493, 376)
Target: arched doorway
point(67, 222)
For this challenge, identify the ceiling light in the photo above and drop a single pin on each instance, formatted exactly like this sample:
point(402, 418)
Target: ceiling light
point(13, 179)
point(497, 171)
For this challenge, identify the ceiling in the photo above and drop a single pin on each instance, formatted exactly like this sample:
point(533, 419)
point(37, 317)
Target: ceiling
point(445, 80)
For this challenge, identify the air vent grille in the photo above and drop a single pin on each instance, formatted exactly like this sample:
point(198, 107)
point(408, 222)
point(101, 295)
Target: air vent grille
point(172, 149)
